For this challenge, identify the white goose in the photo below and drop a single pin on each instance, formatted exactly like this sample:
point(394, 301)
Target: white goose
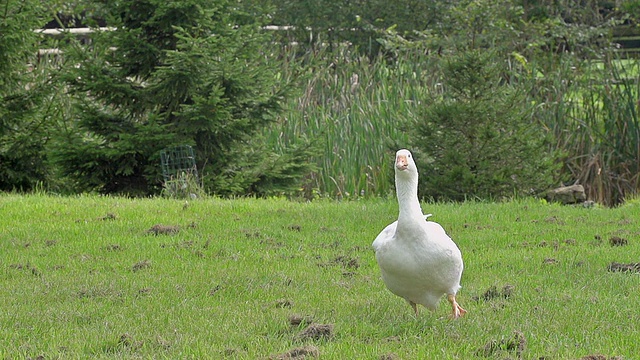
point(418, 260)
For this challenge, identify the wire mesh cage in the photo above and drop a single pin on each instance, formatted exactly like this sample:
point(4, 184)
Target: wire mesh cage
point(180, 171)
point(177, 162)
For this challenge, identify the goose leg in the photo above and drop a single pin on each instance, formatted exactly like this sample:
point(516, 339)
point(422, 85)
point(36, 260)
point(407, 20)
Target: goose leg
point(414, 306)
point(458, 311)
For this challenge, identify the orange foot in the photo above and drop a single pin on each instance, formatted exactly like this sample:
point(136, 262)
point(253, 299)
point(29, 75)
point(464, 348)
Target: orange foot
point(458, 311)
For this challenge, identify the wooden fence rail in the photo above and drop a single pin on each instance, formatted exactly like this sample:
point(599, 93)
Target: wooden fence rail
point(627, 37)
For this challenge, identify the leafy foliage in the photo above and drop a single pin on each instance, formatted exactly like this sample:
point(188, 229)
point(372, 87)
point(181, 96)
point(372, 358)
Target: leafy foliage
point(161, 80)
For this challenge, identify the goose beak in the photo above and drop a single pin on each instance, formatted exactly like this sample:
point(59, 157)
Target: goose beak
point(401, 162)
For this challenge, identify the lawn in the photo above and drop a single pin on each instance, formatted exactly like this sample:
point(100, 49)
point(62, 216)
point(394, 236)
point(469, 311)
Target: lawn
point(106, 277)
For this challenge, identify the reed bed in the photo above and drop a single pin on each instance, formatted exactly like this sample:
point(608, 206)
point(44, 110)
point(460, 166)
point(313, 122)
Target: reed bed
point(357, 110)
point(595, 122)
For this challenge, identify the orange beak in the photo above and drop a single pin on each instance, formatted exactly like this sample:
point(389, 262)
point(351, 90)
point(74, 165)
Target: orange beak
point(401, 162)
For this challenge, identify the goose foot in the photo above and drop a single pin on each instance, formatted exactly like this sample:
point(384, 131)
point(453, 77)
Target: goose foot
point(458, 311)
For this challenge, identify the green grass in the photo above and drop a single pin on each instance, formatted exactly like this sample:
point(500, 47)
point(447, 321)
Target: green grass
point(83, 278)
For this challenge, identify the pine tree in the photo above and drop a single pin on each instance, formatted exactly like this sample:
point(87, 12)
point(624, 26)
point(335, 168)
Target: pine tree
point(24, 90)
point(190, 72)
point(480, 140)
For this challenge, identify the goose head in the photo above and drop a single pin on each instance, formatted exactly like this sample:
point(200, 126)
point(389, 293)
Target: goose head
point(405, 166)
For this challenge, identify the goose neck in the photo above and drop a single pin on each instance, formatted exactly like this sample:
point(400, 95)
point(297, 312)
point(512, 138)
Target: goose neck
point(408, 202)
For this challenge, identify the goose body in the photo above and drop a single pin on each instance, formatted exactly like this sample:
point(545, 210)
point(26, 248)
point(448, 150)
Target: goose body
point(418, 260)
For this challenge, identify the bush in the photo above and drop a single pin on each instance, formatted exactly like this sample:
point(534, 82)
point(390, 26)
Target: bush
point(480, 138)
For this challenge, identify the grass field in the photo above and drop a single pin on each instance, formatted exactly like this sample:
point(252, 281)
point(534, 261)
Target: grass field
point(96, 277)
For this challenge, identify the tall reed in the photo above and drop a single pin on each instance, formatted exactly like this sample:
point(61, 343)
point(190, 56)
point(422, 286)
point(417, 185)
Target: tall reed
point(594, 116)
point(355, 108)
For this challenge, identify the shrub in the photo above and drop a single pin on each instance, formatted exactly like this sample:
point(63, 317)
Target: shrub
point(480, 138)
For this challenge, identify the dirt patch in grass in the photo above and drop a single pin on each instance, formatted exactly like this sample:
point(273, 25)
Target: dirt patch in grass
point(554, 220)
point(348, 263)
point(618, 241)
point(97, 292)
point(189, 245)
point(145, 291)
point(284, 303)
point(264, 239)
point(141, 265)
point(493, 293)
point(184, 244)
point(618, 267)
point(297, 320)
point(160, 229)
point(271, 243)
point(27, 267)
point(113, 247)
point(334, 245)
point(256, 234)
point(49, 243)
point(597, 240)
point(108, 216)
point(214, 290)
point(304, 352)
point(316, 332)
point(600, 357)
point(556, 244)
point(477, 227)
point(127, 341)
point(389, 356)
point(516, 344)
